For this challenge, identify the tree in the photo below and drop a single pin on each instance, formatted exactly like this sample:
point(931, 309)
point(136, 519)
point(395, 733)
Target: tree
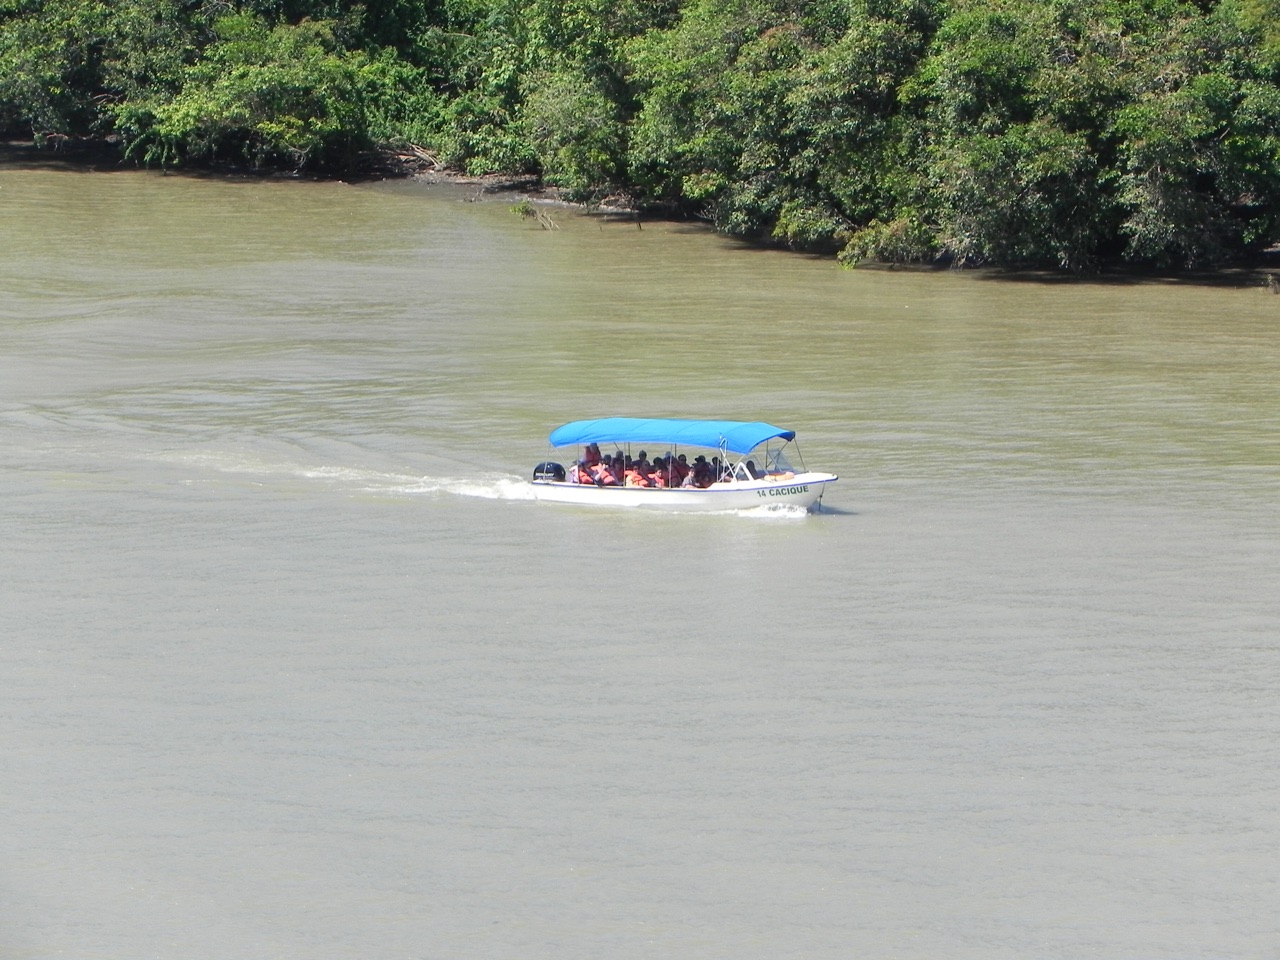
point(288, 94)
point(62, 62)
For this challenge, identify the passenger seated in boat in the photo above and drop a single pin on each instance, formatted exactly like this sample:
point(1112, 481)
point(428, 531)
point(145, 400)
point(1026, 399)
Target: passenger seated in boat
point(701, 471)
point(661, 476)
point(602, 473)
point(589, 467)
point(661, 472)
point(617, 468)
point(679, 470)
point(650, 472)
point(642, 462)
point(579, 472)
point(751, 469)
point(690, 480)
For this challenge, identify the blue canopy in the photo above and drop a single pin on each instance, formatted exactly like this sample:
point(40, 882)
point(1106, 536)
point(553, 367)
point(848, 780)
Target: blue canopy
point(736, 435)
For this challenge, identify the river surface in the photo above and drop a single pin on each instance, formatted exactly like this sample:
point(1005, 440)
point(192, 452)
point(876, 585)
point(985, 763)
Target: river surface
point(292, 669)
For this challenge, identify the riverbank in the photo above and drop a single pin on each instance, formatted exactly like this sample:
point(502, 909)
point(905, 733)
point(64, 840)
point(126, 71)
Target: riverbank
point(103, 155)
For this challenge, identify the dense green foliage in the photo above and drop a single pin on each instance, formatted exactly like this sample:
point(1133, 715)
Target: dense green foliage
point(1045, 132)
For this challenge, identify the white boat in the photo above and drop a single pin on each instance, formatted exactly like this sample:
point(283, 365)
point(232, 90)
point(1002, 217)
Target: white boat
point(748, 465)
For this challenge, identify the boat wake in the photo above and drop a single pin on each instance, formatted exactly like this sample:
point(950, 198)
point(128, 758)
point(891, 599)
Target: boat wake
point(365, 480)
point(492, 487)
point(495, 486)
point(779, 511)
point(771, 511)
point(485, 486)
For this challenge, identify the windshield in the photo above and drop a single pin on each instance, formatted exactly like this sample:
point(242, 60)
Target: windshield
point(776, 460)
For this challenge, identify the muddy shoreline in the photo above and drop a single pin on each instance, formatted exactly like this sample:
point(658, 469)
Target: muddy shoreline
point(1262, 271)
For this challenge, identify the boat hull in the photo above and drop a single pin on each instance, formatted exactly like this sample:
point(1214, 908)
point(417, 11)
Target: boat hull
point(803, 490)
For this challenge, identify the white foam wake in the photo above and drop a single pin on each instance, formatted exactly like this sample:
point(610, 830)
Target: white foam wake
point(495, 486)
point(776, 511)
point(489, 487)
point(364, 480)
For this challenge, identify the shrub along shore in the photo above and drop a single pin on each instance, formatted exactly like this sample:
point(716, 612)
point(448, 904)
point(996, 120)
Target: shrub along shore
point(1069, 134)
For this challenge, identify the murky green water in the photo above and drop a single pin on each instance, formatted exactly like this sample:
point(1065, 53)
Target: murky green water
point(292, 668)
